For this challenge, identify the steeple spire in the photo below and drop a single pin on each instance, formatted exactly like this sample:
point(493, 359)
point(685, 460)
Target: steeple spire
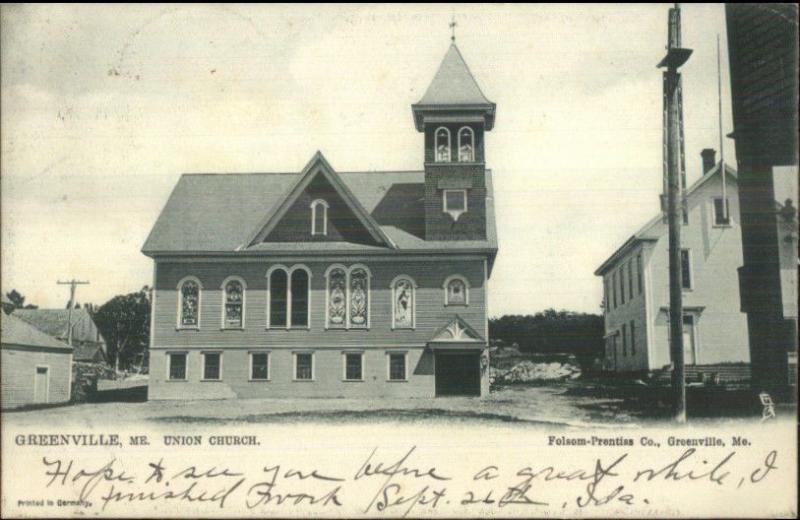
point(453, 25)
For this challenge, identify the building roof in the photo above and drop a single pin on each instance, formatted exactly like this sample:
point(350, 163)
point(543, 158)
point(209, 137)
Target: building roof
point(54, 323)
point(222, 213)
point(88, 352)
point(453, 83)
point(654, 228)
point(14, 331)
point(454, 88)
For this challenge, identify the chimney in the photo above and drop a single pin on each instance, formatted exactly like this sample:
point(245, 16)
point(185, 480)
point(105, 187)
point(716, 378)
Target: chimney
point(709, 156)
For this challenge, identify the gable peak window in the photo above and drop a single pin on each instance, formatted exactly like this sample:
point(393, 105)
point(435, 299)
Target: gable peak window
point(455, 203)
point(233, 294)
point(466, 144)
point(319, 217)
point(442, 144)
point(456, 291)
point(189, 303)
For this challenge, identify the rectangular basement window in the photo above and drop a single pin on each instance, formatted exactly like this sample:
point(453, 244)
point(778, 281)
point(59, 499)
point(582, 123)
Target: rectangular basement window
point(176, 366)
point(303, 366)
point(212, 366)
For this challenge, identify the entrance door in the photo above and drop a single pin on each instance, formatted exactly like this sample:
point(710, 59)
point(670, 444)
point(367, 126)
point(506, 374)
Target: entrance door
point(41, 384)
point(458, 373)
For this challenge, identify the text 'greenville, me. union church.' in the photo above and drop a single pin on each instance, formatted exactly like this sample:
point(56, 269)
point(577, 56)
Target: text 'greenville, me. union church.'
point(322, 283)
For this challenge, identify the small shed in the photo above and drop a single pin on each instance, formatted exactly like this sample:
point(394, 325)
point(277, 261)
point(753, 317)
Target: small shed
point(36, 368)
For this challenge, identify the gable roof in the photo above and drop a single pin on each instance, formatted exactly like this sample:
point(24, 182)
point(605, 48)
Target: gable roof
point(318, 165)
point(457, 331)
point(54, 322)
point(89, 353)
point(654, 227)
point(14, 331)
point(218, 213)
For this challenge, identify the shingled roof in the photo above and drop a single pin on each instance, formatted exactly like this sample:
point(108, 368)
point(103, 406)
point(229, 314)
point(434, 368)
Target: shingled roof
point(453, 83)
point(219, 213)
point(454, 88)
point(54, 323)
point(14, 331)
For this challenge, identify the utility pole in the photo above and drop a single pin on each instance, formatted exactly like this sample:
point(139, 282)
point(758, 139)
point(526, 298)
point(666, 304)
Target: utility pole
point(72, 284)
point(676, 56)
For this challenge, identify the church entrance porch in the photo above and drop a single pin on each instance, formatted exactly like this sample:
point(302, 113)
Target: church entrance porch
point(458, 373)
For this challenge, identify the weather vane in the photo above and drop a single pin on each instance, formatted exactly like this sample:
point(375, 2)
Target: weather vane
point(453, 25)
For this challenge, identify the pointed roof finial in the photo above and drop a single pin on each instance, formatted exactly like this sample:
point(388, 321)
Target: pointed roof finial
point(453, 25)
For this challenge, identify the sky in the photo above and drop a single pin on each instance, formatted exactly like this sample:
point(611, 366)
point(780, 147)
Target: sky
point(104, 107)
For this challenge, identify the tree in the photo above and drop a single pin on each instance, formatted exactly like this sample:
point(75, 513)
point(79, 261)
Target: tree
point(552, 331)
point(124, 321)
point(18, 300)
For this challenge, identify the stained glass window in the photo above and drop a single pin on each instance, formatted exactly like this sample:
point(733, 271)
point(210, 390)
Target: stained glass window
point(234, 304)
point(337, 298)
point(190, 303)
point(403, 303)
point(359, 297)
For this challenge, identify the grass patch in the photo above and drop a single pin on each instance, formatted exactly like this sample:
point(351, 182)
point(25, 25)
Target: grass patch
point(337, 416)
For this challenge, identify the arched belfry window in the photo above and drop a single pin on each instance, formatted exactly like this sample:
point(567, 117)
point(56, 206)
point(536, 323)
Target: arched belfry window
point(442, 144)
point(289, 297)
point(233, 294)
point(403, 302)
point(319, 217)
point(189, 303)
point(466, 144)
point(347, 297)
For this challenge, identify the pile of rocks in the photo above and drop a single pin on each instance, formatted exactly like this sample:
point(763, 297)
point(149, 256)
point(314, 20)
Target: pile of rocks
point(528, 371)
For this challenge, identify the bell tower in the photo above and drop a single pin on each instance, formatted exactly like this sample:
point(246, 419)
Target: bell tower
point(453, 116)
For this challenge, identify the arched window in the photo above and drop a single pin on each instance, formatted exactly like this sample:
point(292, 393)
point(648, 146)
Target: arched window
point(442, 144)
point(403, 302)
point(189, 303)
point(347, 300)
point(456, 291)
point(336, 317)
point(319, 217)
point(289, 297)
point(299, 295)
point(278, 297)
point(233, 289)
point(466, 144)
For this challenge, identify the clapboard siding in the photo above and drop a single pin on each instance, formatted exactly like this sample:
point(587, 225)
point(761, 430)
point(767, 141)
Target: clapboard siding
point(19, 372)
point(328, 374)
point(431, 313)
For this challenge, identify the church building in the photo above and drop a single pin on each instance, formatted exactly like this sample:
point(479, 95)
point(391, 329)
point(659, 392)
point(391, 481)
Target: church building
point(323, 283)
